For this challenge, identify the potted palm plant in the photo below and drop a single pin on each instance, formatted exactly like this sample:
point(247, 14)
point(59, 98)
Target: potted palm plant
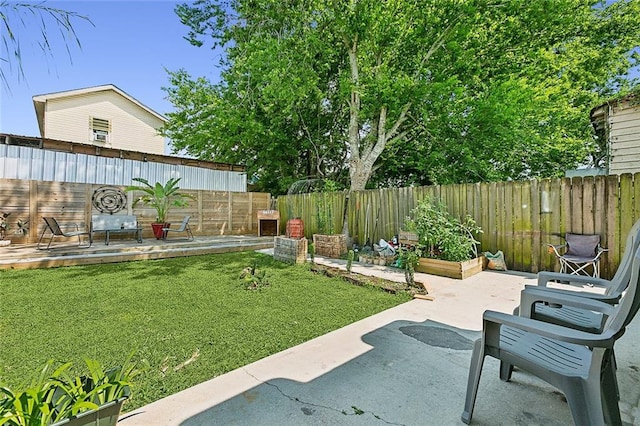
point(162, 198)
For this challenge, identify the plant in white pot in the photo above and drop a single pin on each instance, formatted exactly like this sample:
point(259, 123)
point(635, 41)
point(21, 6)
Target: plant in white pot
point(57, 397)
point(4, 226)
point(162, 198)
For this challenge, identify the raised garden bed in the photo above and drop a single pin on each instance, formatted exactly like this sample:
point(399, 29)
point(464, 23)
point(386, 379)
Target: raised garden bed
point(445, 268)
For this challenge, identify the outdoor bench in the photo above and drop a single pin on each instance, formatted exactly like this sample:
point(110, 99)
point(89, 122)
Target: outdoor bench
point(115, 224)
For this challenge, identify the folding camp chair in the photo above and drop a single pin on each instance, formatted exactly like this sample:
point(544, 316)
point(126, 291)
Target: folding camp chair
point(184, 227)
point(52, 225)
point(538, 302)
point(579, 252)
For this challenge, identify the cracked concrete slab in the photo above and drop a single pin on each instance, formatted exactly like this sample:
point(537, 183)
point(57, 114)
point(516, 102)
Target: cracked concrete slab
point(405, 366)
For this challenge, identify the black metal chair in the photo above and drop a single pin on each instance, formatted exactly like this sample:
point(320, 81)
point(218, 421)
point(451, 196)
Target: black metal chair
point(52, 225)
point(184, 227)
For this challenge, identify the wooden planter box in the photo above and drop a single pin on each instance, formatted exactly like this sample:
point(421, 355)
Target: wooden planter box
point(445, 268)
point(291, 250)
point(330, 245)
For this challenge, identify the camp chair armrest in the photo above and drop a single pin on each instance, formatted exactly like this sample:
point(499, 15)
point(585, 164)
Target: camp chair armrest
point(556, 248)
point(493, 320)
point(530, 296)
point(605, 298)
point(545, 277)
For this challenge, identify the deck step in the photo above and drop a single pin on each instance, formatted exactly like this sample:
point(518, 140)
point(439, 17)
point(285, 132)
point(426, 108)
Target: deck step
point(27, 257)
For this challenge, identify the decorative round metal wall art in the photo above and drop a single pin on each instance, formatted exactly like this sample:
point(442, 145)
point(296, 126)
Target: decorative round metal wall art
point(109, 199)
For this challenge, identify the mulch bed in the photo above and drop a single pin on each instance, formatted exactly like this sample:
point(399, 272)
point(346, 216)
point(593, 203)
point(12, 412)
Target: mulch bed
point(361, 280)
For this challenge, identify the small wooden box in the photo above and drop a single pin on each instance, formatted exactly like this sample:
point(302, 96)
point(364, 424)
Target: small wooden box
point(268, 223)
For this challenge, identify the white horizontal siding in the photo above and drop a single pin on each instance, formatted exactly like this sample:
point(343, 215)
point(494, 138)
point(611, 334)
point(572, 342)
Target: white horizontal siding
point(18, 162)
point(624, 139)
point(132, 127)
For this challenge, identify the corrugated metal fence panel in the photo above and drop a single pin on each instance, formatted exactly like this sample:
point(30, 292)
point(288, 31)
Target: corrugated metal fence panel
point(18, 162)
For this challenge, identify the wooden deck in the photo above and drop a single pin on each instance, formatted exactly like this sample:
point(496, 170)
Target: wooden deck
point(18, 256)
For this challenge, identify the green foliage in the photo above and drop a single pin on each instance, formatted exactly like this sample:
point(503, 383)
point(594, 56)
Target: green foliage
point(253, 279)
point(56, 394)
point(441, 235)
point(442, 91)
point(324, 208)
point(165, 310)
point(312, 252)
point(350, 256)
point(160, 197)
point(408, 259)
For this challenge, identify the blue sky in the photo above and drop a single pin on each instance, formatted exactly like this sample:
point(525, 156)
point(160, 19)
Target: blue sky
point(130, 46)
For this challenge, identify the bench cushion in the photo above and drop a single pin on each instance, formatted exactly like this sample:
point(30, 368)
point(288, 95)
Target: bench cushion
point(102, 222)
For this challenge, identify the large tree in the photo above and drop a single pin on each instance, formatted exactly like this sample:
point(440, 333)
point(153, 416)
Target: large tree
point(431, 90)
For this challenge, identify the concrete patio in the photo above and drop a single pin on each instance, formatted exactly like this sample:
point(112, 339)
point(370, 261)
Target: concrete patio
point(405, 366)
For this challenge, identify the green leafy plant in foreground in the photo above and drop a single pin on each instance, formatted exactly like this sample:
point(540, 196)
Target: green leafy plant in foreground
point(254, 279)
point(56, 394)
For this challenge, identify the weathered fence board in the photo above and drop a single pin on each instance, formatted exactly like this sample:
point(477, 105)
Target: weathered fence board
point(519, 218)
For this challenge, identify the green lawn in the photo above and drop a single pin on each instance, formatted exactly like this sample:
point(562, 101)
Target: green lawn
point(166, 310)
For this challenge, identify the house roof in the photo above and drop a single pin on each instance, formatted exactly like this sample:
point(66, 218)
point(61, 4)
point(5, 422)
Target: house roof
point(39, 101)
point(598, 111)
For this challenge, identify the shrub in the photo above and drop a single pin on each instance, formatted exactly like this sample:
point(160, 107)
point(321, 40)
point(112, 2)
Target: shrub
point(441, 235)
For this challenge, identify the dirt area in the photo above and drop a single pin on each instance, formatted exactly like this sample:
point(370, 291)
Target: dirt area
point(361, 280)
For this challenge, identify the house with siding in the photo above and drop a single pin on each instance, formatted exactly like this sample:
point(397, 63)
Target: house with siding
point(102, 116)
point(618, 123)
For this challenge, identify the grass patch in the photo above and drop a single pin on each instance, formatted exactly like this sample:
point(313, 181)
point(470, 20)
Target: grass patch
point(191, 318)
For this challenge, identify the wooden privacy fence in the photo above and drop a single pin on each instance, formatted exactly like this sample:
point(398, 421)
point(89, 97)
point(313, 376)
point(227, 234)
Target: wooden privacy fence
point(212, 212)
point(519, 218)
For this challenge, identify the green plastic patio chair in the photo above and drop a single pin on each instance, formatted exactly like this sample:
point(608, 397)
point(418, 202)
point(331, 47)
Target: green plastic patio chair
point(578, 363)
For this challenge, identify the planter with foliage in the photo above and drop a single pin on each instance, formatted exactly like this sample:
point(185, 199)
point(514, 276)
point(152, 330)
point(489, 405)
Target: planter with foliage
point(162, 198)
point(326, 242)
point(447, 244)
point(4, 225)
point(56, 397)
